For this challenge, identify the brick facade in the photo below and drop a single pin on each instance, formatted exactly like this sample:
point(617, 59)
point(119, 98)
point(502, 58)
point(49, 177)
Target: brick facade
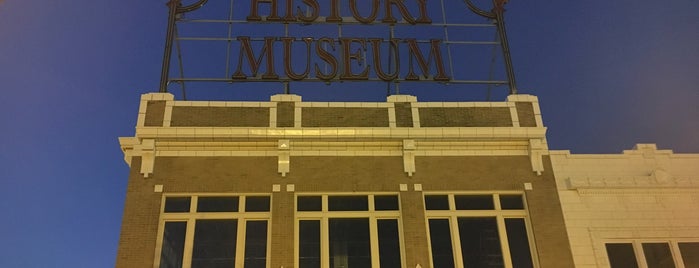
point(359, 148)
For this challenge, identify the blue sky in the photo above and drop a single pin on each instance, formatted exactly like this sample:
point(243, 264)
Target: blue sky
point(608, 74)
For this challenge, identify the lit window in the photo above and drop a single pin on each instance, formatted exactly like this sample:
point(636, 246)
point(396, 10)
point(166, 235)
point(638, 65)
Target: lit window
point(473, 230)
point(226, 230)
point(348, 231)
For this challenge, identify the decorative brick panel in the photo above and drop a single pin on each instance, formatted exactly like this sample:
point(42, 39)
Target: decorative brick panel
point(155, 113)
point(285, 114)
point(404, 114)
point(183, 116)
point(525, 113)
point(344, 117)
point(465, 117)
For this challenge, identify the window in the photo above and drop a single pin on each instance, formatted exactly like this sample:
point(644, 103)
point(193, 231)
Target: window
point(349, 231)
point(214, 231)
point(473, 230)
point(652, 254)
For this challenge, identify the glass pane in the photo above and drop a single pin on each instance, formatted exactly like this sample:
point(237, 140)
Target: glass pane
point(349, 243)
point(389, 244)
point(348, 203)
point(217, 204)
point(480, 242)
point(256, 244)
point(214, 243)
point(690, 254)
point(440, 243)
point(436, 202)
point(177, 204)
point(173, 245)
point(309, 203)
point(658, 255)
point(474, 202)
point(519, 243)
point(621, 255)
point(386, 202)
point(256, 203)
point(309, 244)
point(511, 202)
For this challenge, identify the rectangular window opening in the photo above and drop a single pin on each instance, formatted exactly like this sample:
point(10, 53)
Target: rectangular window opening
point(658, 255)
point(177, 204)
point(349, 242)
point(255, 244)
point(348, 203)
point(173, 245)
point(621, 255)
point(474, 202)
point(217, 204)
point(214, 243)
point(257, 204)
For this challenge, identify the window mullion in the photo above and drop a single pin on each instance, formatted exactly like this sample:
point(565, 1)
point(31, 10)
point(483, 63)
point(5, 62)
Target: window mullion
point(676, 254)
point(504, 243)
point(189, 243)
point(240, 244)
point(640, 256)
point(324, 243)
point(456, 242)
point(374, 242)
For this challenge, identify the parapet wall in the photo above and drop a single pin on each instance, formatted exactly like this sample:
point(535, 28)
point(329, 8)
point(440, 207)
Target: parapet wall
point(160, 110)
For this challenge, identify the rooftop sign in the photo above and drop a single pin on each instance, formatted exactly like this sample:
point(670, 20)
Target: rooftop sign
point(394, 41)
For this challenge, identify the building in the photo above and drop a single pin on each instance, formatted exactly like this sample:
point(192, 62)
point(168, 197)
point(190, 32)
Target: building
point(288, 183)
point(636, 209)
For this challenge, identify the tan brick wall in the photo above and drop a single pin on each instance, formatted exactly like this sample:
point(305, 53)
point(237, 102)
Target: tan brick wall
point(344, 117)
point(285, 114)
point(140, 221)
point(219, 117)
point(340, 174)
point(465, 117)
point(525, 113)
point(404, 114)
point(155, 114)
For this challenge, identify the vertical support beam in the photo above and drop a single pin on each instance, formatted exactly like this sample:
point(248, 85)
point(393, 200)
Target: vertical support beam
point(499, 11)
point(172, 16)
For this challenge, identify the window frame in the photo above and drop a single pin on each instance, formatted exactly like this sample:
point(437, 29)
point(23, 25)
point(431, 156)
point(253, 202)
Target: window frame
point(192, 216)
point(497, 212)
point(324, 215)
point(638, 251)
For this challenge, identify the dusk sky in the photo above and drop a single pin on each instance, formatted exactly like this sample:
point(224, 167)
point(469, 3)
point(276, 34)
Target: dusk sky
point(608, 74)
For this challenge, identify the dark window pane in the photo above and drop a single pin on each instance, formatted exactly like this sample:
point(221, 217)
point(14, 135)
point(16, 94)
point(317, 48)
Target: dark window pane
point(173, 245)
point(177, 204)
point(255, 244)
point(386, 202)
point(349, 243)
point(309, 244)
point(511, 202)
point(217, 204)
point(389, 244)
point(474, 202)
point(309, 203)
point(214, 243)
point(436, 202)
point(658, 255)
point(480, 242)
point(348, 203)
point(690, 254)
point(440, 243)
point(621, 255)
point(519, 243)
point(256, 203)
